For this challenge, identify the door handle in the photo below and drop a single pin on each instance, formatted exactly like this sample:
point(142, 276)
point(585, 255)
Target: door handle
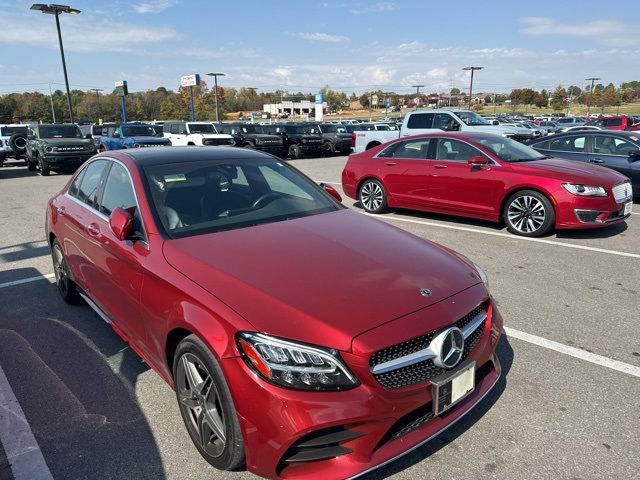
point(596, 160)
point(61, 211)
point(391, 163)
point(93, 229)
point(440, 166)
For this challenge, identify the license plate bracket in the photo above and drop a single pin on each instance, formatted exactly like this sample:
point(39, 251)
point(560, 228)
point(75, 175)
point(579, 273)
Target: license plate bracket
point(451, 387)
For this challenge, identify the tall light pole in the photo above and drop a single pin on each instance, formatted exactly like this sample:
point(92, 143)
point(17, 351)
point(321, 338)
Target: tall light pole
point(215, 81)
point(56, 10)
point(97, 90)
point(473, 69)
point(253, 98)
point(592, 79)
point(417, 87)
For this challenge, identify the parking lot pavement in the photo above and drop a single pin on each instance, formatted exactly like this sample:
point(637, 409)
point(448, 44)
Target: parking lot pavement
point(97, 411)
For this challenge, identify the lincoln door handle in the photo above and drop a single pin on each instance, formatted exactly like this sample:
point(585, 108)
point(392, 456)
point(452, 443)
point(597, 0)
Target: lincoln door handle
point(61, 211)
point(391, 163)
point(93, 229)
point(596, 160)
point(440, 166)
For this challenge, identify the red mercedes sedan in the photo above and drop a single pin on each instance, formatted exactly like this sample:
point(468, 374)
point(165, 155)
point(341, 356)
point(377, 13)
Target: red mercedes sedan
point(488, 177)
point(293, 347)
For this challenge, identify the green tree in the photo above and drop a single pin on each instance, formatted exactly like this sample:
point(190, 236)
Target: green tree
point(559, 98)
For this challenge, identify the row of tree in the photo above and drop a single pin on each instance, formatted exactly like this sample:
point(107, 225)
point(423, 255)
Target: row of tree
point(168, 104)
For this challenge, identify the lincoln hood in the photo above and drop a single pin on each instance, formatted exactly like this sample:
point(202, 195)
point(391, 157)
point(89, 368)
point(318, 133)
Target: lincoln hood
point(321, 279)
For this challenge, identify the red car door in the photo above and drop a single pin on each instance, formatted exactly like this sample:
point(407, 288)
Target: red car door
point(117, 264)
point(460, 188)
point(404, 170)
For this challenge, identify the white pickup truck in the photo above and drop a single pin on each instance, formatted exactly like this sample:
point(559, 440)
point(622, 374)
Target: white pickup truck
point(432, 121)
point(195, 133)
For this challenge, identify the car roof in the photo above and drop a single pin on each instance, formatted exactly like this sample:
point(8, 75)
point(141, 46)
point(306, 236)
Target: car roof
point(164, 155)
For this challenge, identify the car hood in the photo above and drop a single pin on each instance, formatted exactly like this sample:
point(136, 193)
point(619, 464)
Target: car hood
point(66, 142)
point(322, 279)
point(572, 171)
point(144, 139)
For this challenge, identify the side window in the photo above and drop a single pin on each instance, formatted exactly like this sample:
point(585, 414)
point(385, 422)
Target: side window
point(570, 144)
point(417, 149)
point(118, 191)
point(182, 128)
point(454, 150)
point(91, 183)
point(541, 145)
point(443, 121)
point(75, 186)
point(608, 145)
point(420, 120)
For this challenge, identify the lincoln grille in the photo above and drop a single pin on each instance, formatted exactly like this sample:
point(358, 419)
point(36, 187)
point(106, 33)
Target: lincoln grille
point(418, 372)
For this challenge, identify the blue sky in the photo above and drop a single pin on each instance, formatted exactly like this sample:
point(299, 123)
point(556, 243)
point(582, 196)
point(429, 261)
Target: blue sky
point(304, 45)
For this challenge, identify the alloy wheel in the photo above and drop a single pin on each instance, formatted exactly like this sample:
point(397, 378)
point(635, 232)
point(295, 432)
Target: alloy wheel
point(526, 214)
point(371, 196)
point(200, 402)
point(60, 270)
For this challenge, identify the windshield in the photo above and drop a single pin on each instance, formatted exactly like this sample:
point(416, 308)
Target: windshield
point(251, 129)
point(201, 128)
point(8, 131)
point(471, 118)
point(138, 131)
point(60, 131)
point(507, 149)
point(195, 198)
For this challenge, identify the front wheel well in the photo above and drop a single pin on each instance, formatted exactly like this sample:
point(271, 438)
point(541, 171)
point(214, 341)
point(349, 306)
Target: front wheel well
point(372, 145)
point(173, 340)
point(52, 237)
point(522, 189)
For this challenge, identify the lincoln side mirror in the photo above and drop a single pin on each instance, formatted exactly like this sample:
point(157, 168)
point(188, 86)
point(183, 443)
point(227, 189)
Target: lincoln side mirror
point(477, 160)
point(331, 191)
point(121, 222)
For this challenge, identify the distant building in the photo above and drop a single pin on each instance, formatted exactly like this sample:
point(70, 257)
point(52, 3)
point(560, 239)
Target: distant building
point(303, 107)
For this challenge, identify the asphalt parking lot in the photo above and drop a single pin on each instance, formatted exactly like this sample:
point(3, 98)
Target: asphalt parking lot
point(567, 407)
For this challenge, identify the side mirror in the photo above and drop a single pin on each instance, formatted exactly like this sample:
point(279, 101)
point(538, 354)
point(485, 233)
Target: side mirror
point(331, 191)
point(121, 223)
point(635, 154)
point(453, 127)
point(477, 160)
point(88, 136)
point(116, 134)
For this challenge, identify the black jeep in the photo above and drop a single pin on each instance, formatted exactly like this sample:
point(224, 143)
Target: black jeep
point(249, 135)
point(335, 138)
point(298, 139)
point(57, 146)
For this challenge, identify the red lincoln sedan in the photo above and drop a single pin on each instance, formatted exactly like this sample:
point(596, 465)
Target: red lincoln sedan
point(489, 177)
point(293, 347)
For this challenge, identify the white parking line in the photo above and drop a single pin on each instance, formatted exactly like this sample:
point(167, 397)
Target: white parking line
point(575, 352)
point(18, 442)
point(505, 235)
point(27, 280)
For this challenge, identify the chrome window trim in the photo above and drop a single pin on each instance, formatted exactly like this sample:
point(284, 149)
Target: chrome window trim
point(102, 215)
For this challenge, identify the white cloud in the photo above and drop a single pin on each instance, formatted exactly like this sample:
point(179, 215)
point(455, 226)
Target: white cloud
point(223, 52)
point(321, 37)
point(155, 6)
point(379, 7)
point(608, 32)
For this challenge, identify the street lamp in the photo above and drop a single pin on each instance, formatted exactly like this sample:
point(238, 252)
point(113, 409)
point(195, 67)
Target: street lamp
point(215, 80)
point(417, 87)
point(593, 79)
point(56, 10)
point(97, 90)
point(473, 69)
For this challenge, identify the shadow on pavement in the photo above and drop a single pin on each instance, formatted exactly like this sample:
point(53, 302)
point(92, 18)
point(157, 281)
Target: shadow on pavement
point(75, 381)
point(505, 353)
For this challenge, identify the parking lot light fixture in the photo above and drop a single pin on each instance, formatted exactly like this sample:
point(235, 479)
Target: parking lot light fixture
point(215, 81)
point(417, 87)
point(472, 69)
point(56, 10)
point(593, 80)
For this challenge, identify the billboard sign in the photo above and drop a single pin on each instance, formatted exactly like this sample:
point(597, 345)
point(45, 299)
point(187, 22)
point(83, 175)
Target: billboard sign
point(190, 80)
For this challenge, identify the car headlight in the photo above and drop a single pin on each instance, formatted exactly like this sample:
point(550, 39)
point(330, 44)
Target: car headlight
point(294, 365)
point(585, 190)
point(136, 145)
point(49, 149)
point(483, 275)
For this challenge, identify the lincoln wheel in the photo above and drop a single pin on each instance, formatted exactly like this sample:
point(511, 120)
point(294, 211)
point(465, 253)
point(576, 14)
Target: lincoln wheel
point(372, 196)
point(529, 213)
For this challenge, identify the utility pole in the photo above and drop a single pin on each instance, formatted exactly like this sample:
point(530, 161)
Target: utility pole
point(592, 79)
point(473, 69)
point(97, 90)
point(417, 87)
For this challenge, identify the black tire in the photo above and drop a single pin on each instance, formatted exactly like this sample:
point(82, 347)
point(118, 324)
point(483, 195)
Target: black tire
point(101, 148)
point(18, 143)
point(329, 149)
point(205, 405)
point(529, 214)
point(66, 287)
point(294, 151)
point(32, 164)
point(45, 170)
point(372, 196)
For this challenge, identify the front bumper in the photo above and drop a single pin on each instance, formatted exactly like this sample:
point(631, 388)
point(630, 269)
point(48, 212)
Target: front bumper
point(67, 160)
point(574, 212)
point(368, 417)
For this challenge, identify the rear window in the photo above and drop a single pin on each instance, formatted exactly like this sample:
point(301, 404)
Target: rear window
point(420, 120)
point(8, 131)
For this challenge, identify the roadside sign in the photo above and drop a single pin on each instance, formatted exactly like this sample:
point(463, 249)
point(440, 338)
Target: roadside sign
point(121, 89)
point(190, 80)
point(319, 99)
